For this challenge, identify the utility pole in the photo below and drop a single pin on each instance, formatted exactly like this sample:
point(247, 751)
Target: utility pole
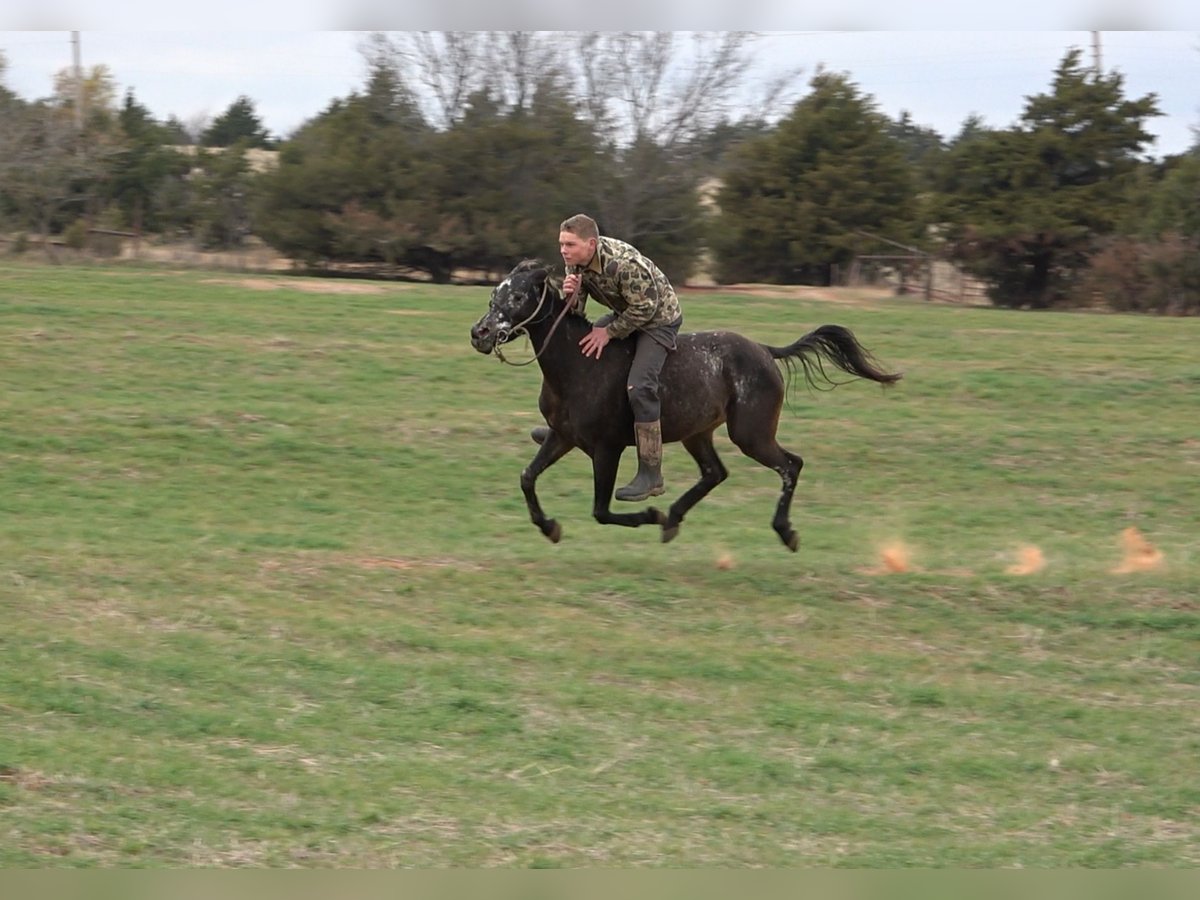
point(1096, 65)
point(75, 56)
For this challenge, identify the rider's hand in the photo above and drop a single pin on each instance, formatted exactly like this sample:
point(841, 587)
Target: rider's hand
point(594, 342)
point(570, 285)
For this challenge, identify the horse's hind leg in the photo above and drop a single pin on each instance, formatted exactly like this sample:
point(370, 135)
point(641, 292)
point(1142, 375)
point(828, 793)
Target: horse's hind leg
point(763, 448)
point(552, 450)
point(712, 473)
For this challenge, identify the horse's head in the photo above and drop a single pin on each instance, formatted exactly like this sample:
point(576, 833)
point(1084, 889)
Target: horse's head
point(521, 298)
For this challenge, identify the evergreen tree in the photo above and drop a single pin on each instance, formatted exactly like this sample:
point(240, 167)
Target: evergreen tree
point(1025, 206)
point(175, 132)
point(349, 183)
point(1174, 203)
point(238, 123)
point(222, 190)
point(793, 199)
point(922, 147)
point(140, 168)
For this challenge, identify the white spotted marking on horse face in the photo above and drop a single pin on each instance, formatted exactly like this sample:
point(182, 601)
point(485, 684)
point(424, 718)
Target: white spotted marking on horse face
point(501, 292)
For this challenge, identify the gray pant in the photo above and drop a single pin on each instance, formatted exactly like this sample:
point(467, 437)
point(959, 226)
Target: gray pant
point(648, 361)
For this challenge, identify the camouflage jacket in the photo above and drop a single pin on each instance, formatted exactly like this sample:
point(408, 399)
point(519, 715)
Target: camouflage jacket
point(634, 288)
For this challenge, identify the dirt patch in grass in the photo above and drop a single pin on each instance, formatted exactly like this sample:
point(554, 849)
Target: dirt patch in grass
point(312, 286)
point(401, 564)
point(24, 778)
point(318, 563)
point(840, 296)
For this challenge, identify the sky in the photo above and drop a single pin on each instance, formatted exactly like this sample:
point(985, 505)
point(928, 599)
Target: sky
point(939, 77)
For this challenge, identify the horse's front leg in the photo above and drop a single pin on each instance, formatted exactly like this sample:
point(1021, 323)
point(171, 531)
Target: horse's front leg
point(605, 461)
point(552, 450)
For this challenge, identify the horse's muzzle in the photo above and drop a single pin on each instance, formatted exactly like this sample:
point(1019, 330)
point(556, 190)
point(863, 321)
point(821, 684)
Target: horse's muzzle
point(483, 337)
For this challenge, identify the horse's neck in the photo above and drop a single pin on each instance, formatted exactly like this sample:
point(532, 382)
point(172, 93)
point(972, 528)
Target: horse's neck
point(559, 352)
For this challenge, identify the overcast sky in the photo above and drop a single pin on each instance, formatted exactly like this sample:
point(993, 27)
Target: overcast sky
point(940, 77)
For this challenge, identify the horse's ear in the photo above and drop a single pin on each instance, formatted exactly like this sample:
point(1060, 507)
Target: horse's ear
point(528, 265)
point(538, 271)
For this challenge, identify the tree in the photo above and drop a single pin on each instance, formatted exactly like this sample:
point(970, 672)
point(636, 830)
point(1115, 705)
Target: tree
point(922, 146)
point(648, 98)
point(238, 123)
point(222, 190)
point(793, 199)
point(369, 182)
point(6, 96)
point(1174, 203)
point(444, 70)
point(45, 171)
point(349, 182)
point(175, 132)
point(13, 111)
point(99, 93)
point(527, 169)
point(1026, 206)
point(140, 168)
point(652, 97)
point(1154, 265)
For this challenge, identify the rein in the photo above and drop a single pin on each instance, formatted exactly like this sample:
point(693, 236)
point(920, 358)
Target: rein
point(520, 327)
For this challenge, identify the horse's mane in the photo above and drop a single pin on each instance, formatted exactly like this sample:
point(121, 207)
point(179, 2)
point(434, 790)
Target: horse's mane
point(535, 265)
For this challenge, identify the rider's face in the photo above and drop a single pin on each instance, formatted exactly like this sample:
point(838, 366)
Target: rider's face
point(575, 250)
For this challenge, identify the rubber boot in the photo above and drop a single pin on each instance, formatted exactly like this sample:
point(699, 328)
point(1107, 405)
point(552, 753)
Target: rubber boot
point(648, 482)
point(539, 434)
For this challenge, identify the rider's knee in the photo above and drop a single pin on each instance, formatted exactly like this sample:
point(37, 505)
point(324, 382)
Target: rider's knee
point(644, 401)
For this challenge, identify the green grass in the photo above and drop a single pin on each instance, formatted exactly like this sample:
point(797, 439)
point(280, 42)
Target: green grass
point(271, 596)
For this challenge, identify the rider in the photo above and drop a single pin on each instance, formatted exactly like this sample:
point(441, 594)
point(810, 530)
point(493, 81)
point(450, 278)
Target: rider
point(643, 304)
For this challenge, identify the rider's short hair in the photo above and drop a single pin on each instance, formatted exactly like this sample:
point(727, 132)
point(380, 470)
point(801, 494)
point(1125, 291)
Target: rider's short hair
point(581, 226)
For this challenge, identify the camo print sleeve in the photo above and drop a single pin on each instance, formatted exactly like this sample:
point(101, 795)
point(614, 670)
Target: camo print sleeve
point(633, 287)
point(648, 296)
point(640, 294)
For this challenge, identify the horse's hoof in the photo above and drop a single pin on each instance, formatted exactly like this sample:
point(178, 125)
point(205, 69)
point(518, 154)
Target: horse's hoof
point(554, 533)
point(793, 542)
point(669, 534)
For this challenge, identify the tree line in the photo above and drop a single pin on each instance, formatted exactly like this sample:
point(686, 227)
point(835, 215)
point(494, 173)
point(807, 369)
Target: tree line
point(463, 150)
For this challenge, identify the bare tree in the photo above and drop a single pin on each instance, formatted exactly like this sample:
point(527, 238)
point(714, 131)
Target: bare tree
point(651, 98)
point(42, 165)
point(665, 86)
point(445, 68)
point(668, 87)
point(442, 68)
point(521, 60)
point(98, 92)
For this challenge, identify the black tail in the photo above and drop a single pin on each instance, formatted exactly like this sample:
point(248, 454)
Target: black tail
point(837, 345)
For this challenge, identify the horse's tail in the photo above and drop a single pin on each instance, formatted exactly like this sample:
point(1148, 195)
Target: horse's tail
point(837, 345)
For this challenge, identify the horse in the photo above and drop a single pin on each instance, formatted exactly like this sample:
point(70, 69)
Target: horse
point(712, 378)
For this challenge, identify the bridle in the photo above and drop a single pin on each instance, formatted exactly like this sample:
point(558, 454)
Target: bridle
point(506, 335)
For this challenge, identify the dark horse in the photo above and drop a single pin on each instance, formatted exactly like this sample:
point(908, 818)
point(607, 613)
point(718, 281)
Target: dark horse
point(714, 377)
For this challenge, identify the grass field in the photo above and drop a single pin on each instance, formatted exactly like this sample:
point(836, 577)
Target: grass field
point(271, 596)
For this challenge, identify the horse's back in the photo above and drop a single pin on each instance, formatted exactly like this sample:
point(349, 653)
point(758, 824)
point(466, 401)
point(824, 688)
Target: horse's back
point(726, 355)
point(710, 372)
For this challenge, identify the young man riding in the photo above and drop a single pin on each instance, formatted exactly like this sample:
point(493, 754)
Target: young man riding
point(644, 305)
